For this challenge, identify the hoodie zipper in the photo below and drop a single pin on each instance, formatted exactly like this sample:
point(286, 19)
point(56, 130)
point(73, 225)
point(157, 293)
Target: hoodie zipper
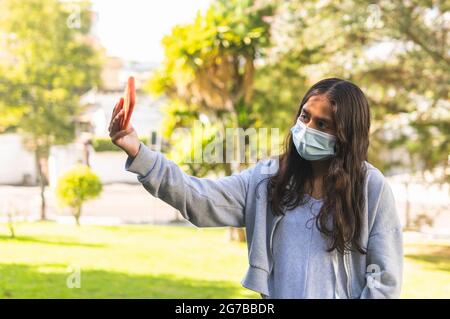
point(349, 279)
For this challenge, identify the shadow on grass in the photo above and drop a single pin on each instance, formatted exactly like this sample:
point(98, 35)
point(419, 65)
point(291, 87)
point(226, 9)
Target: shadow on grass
point(49, 281)
point(57, 242)
point(437, 258)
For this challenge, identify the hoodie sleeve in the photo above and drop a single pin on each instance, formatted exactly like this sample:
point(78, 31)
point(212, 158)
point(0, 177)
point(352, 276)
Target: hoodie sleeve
point(202, 201)
point(385, 250)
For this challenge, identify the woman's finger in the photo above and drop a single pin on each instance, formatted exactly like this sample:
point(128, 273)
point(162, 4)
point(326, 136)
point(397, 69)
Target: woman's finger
point(121, 102)
point(115, 124)
point(113, 115)
point(120, 105)
point(121, 134)
point(117, 108)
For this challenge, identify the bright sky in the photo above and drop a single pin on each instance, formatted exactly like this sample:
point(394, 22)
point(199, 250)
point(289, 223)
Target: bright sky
point(133, 29)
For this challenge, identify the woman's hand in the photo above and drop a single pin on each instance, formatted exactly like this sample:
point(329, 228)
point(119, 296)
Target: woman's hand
point(127, 139)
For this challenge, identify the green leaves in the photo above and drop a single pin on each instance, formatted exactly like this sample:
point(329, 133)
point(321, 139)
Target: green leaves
point(396, 51)
point(45, 67)
point(209, 69)
point(226, 62)
point(227, 30)
point(77, 186)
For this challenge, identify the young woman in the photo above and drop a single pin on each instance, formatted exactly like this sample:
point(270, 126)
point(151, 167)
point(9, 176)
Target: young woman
point(320, 220)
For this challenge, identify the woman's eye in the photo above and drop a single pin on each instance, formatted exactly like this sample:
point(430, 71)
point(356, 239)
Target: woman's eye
point(322, 125)
point(302, 116)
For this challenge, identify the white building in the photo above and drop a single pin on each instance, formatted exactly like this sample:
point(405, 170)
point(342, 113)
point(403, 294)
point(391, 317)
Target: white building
point(17, 164)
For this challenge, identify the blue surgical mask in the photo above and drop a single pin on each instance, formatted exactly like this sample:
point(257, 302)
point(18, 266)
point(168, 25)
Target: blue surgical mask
point(311, 144)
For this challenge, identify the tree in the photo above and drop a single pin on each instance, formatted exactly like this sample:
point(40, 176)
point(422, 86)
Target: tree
point(47, 63)
point(209, 70)
point(406, 83)
point(77, 186)
point(397, 51)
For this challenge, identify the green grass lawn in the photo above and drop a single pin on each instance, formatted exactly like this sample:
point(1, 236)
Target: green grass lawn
point(427, 269)
point(160, 262)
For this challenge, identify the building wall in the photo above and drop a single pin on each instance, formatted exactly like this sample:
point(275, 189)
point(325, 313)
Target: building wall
point(110, 167)
point(61, 159)
point(17, 165)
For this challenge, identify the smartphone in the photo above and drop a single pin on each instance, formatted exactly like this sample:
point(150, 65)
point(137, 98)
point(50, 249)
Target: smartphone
point(129, 101)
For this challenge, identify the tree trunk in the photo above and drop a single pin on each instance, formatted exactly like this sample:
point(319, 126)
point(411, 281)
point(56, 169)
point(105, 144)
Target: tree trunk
point(408, 223)
point(237, 234)
point(86, 154)
point(12, 233)
point(42, 182)
point(77, 215)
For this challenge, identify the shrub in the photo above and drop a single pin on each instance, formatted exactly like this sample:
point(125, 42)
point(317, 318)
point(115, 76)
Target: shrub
point(77, 186)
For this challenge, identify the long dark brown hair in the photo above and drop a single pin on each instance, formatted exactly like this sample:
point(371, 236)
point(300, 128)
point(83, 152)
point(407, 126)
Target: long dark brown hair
point(343, 185)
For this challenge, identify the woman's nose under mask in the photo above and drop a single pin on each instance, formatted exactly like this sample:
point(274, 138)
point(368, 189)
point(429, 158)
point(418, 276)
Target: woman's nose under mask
point(311, 144)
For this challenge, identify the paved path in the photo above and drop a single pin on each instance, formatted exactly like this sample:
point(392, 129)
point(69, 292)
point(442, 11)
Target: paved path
point(119, 203)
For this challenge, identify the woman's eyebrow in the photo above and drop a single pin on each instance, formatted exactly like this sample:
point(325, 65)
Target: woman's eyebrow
point(325, 119)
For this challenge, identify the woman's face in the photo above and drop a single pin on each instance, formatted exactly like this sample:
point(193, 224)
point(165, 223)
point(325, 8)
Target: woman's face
point(317, 114)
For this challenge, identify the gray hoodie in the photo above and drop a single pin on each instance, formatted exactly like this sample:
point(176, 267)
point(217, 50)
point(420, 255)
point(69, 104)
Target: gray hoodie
point(240, 200)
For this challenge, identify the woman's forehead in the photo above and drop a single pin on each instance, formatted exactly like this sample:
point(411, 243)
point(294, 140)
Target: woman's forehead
point(318, 105)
